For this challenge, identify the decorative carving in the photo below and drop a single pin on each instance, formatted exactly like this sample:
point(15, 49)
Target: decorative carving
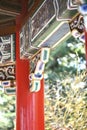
point(34, 60)
point(7, 72)
point(73, 4)
point(37, 65)
point(77, 23)
point(39, 21)
point(7, 48)
point(77, 28)
point(10, 91)
point(25, 40)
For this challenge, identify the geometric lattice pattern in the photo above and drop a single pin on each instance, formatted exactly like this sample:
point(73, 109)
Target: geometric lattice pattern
point(7, 48)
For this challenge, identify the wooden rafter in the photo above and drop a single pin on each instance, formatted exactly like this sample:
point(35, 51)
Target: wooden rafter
point(8, 12)
point(10, 8)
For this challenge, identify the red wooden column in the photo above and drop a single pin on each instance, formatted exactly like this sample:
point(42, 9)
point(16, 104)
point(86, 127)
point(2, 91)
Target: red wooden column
point(29, 106)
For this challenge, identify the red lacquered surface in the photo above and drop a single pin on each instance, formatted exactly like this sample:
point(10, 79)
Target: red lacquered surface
point(29, 106)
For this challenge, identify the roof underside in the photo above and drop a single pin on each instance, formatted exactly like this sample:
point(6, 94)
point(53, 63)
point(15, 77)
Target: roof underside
point(9, 9)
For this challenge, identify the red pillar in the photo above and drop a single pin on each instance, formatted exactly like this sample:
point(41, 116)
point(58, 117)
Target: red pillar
point(29, 106)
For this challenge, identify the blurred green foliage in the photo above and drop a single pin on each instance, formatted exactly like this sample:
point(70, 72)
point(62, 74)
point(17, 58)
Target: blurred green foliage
point(7, 111)
point(66, 87)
